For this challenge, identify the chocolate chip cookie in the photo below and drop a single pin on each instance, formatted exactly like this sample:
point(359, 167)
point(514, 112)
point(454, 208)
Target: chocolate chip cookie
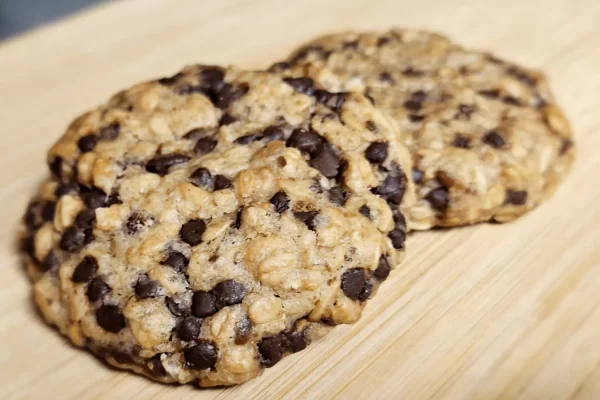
point(487, 139)
point(200, 227)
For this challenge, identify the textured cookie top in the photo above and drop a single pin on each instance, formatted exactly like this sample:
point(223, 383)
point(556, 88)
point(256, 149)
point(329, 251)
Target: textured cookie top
point(202, 226)
point(486, 137)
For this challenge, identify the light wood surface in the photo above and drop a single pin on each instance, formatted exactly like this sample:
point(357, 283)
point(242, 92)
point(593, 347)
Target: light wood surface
point(490, 311)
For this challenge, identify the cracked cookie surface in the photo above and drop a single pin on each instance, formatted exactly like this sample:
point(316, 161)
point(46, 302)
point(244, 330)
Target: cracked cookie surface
point(486, 137)
point(200, 227)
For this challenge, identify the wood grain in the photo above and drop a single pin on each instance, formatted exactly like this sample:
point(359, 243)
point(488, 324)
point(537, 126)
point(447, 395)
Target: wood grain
point(485, 312)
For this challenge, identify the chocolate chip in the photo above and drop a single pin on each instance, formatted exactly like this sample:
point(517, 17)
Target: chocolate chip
point(393, 187)
point(95, 198)
point(222, 182)
point(301, 85)
point(175, 308)
point(565, 145)
point(202, 178)
point(522, 76)
point(161, 164)
point(416, 101)
point(177, 261)
point(399, 220)
point(48, 209)
point(97, 289)
point(413, 72)
point(383, 268)
point(307, 217)
point(55, 165)
point(113, 199)
point(121, 357)
point(271, 350)
point(416, 118)
point(227, 94)
point(136, 222)
point(238, 219)
point(334, 101)
point(197, 133)
point(49, 262)
point(337, 196)
point(353, 282)
point(370, 125)
point(155, 366)
point(205, 145)
point(350, 45)
point(386, 77)
point(72, 239)
point(248, 138)
point(305, 141)
point(513, 101)
point(87, 143)
point(493, 138)
point(279, 66)
point(28, 246)
point(243, 330)
point(417, 176)
point(227, 119)
point(33, 215)
point(461, 142)
point(365, 210)
point(191, 232)
point(85, 219)
point(366, 292)
point(170, 80)
point(186, 89)
point(397, 237)
point(189, 328)
point(204, 304)
point(370, 98)
point(147, 288)
point(377, 152)
point(490, 94)
point(464, 111)
point(201, 356)
point(66, 188)
point(280, 201)
point(228, 293)
point(110, 318)
point(273, 133)
point(326, 161)
point(516, 197)
point(438, 198)
point(295, 341)
point(110, 132)
point(212, 76)
point(383, 41)
point(85, 270)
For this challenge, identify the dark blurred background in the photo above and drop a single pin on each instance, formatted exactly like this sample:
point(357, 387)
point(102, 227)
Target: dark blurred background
point(17, 16)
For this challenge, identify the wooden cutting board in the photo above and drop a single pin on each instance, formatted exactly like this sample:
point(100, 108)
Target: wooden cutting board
point(483, 312)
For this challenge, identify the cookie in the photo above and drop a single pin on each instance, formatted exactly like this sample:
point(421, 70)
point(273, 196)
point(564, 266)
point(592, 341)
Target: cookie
point(487, 139)
point(200, 227)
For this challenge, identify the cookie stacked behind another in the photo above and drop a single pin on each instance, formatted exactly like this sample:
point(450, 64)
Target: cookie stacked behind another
point(487, 139)
point(202, 226)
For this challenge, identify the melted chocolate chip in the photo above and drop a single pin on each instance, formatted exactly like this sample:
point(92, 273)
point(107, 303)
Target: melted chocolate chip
point(202, 178)
point(85, 270)
point(337, 196)
point(189, 328)
point(66, 188)
point(305, 141)
point(110, 132)
point(438, 198)
point(271, 350)
point(516, 197)
point(212, 76)
point(196, 133)
point(296, 341)
point(95, 198)
point(110, 318)
point(243, 330)
point(493, 138)
point(308, 217)
point(155, 366)
point(85, 219)
point(204, 304)
point(87, 143)
point(273, 133)
point(301, 85)
point(205, 145)
point(366, 292)
point(397, 237)
point(228, 293)
point(365, 210)
point(334, 101)
point(280, 201)
point(326, 161)
point(201, 356)
point(253, 137)
point(161, 164)
point(222, 182)
point(353, 282)
point(97, 289)
point(48, 210)
point(377, 152)
point(175, 308)
point(177, 261)
point(147, 288)
point(49, 262)
point(227, 119)
point(191, 232)
point(72, 239)
point(461, 142)
point(383, 269)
